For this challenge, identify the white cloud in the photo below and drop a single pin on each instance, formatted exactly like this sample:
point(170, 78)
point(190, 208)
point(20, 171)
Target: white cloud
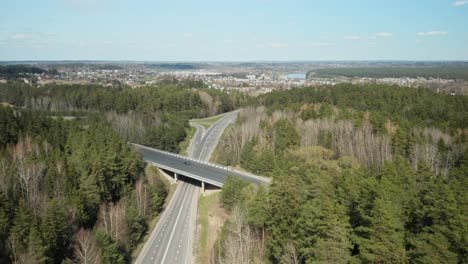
point(383, 35)
point(319, 44)
point(460, 3)
point(84, 3)
point(351, 37)
point(19, 36)
point(432, 33)
point(277, 45)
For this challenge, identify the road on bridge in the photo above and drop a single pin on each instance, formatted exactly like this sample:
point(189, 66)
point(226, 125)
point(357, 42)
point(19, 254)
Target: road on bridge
point(171, 241)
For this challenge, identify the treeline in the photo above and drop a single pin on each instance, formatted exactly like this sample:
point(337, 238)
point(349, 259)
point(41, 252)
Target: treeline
point(361, 174)
point(17, 71)
point(154, 115)
point(121, 99)
point(176, 66)
point(71, 191)
point(258, 137)
point(407, 107)
point(395, 72)
point(372, 123)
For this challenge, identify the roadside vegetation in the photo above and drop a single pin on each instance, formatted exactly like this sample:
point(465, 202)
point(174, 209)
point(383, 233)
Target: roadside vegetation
point(185, 144)
point(211, 217)
point(207, 122)
point(155, 174)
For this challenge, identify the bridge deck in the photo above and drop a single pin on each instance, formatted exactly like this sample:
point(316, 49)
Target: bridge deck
point(207, 172)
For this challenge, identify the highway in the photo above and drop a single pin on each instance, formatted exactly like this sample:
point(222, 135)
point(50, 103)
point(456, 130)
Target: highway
point(212, 136)
point(196, 169)
point(171, 241)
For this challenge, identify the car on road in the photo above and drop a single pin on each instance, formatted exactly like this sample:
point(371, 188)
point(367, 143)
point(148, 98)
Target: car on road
point(187, 162)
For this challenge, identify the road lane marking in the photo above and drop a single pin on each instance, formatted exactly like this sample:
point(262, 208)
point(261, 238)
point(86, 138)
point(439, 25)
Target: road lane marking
point(173, 230)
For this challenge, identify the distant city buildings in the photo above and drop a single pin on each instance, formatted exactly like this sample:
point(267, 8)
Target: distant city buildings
point(252, 80)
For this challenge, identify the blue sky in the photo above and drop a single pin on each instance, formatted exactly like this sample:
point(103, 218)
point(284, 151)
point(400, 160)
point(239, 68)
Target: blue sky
point(234, 30)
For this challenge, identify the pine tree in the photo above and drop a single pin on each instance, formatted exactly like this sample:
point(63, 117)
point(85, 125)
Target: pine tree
point(286, 201)
point(5, 209)
point(232, 193)
point(137, 226)
point(428, 247)
point(37, 251)
point(158, 196)
point(285, 135)
point(56, 231)
point(247, 157)
point(258, 213)
point(88, 200)
point(400, 143)
point(436, 216)
point(386, 241)
point(258, 208)
point(323, 233)
point(111, 252)
point(19, 234)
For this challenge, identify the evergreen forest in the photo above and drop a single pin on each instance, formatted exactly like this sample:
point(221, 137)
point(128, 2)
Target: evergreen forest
point(361, 174)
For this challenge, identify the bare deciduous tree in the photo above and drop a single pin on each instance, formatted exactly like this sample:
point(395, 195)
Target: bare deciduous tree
point(440, 161)
point(348, 140)
point(248, 128)
point(7, 179)
point(86, 249)
point(142, 197)
point(208, 100)
point(112, 219)
point(241, 245)
point(290, 255)
point(30, 171)
point(131, 125)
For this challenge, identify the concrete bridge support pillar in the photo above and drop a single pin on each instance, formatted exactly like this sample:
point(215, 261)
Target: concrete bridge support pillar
point(175, 177)
point(203, 186)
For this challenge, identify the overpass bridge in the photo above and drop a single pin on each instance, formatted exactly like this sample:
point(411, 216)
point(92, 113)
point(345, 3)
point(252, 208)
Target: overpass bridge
point(202, 171)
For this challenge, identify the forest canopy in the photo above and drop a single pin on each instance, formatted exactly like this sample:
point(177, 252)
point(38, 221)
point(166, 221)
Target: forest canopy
point(395, 72)
point(16, 71)
point(71, 188)
point(361, 174)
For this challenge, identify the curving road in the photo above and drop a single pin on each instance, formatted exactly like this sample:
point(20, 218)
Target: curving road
point(171, 241)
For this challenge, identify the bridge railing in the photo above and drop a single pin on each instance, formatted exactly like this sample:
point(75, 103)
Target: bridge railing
point(263, 179)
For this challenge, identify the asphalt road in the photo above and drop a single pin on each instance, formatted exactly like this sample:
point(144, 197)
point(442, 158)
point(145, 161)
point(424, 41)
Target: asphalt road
point(200, 170)
point(210, 140)
point(171, 241)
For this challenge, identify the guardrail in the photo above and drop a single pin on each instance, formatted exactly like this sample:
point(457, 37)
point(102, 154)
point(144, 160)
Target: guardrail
point(185, 157)
point(219, 184)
